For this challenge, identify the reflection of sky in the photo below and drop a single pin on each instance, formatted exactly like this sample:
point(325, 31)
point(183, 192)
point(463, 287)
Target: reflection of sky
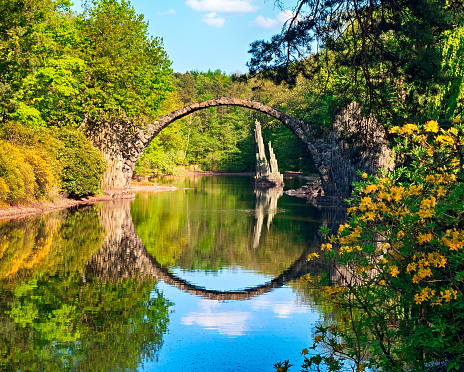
point(225, 280)
point(250, 335)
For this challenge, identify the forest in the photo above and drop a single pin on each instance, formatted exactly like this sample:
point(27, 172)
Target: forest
point(400, 306)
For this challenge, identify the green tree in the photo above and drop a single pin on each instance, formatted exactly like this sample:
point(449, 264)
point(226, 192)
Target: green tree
point(384, 54)
point(128, 72)
point(20, 39)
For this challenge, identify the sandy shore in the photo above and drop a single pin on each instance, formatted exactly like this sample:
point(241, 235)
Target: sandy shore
point(36, 208)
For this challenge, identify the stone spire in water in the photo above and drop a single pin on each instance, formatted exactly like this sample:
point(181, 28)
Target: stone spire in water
point(266, 174)
point(275, 176)
point(262, 166)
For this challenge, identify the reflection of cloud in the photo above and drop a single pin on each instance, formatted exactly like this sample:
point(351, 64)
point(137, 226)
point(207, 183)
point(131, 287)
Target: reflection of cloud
point(282, 309)
point(224, 6)
point(281, 18)
point(169, 12)
point(213, 20)
point(231, 323)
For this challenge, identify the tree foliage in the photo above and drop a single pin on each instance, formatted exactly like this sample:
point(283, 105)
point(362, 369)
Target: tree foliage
point(63, 69)
point(384, 54)
point(128, 70)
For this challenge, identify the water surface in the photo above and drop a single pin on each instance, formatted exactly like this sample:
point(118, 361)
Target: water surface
point(201, 279)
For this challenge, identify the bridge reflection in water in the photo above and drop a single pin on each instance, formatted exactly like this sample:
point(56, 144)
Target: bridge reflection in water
point(123, 254)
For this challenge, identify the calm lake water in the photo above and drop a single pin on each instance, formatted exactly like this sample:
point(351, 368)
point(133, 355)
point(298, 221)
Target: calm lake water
point(201, 279)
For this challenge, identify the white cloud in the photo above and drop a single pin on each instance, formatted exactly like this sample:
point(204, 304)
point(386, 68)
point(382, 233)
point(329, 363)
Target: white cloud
point(281, 309)
point(281, 18)
point(213, 20)
point(169, 12)
point(265, 22)
point(222, 6)
point(285, 15)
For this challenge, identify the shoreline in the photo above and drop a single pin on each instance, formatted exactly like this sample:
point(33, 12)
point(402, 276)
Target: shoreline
point(13, 212)
point(10, 212)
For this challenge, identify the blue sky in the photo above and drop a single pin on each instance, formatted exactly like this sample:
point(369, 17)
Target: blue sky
point(210, 34)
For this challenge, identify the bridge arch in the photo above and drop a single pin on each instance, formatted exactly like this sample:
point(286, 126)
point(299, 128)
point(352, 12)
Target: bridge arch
point(123, 142)
point(296, 126)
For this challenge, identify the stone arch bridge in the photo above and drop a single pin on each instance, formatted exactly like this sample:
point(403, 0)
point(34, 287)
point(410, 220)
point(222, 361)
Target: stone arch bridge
point(123, 142)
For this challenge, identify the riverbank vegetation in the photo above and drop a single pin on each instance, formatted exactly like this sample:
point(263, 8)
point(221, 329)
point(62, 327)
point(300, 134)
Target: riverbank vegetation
point(61, 73)
point(400, 261)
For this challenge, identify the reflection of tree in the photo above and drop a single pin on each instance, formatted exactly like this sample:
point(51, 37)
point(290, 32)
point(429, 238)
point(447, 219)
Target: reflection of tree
point(50, 243)
point(266, 203)
point(216, 229)
point(63, 324)
point(55, 315)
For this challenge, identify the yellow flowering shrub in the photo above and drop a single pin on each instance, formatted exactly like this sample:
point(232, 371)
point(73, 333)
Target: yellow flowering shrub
point(400, 258)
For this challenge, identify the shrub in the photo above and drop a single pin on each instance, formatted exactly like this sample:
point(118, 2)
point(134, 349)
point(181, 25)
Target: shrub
point(35, 163)
point(4, 190)
point(401, 260)
point(43, 174)
point(82, 165)
point(17, 174)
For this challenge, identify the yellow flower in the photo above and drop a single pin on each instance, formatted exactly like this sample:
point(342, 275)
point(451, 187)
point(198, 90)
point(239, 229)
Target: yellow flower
point(327, 247)
point(364, 175)
point(415, 190)
point(395, 129)
point(422, 274)
point(312, 255)
point(444, 139)
point(449, 294)
point(394, 271)
point(408, 129)
point(441, 192)
point(431, 126)
point(411, 267)
point(304, 351)
point(317, 339)
point(352, 210)
point(370, 188)
point(424, 295)
point(424, 238)
point(307, 278)
point(369, 216)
